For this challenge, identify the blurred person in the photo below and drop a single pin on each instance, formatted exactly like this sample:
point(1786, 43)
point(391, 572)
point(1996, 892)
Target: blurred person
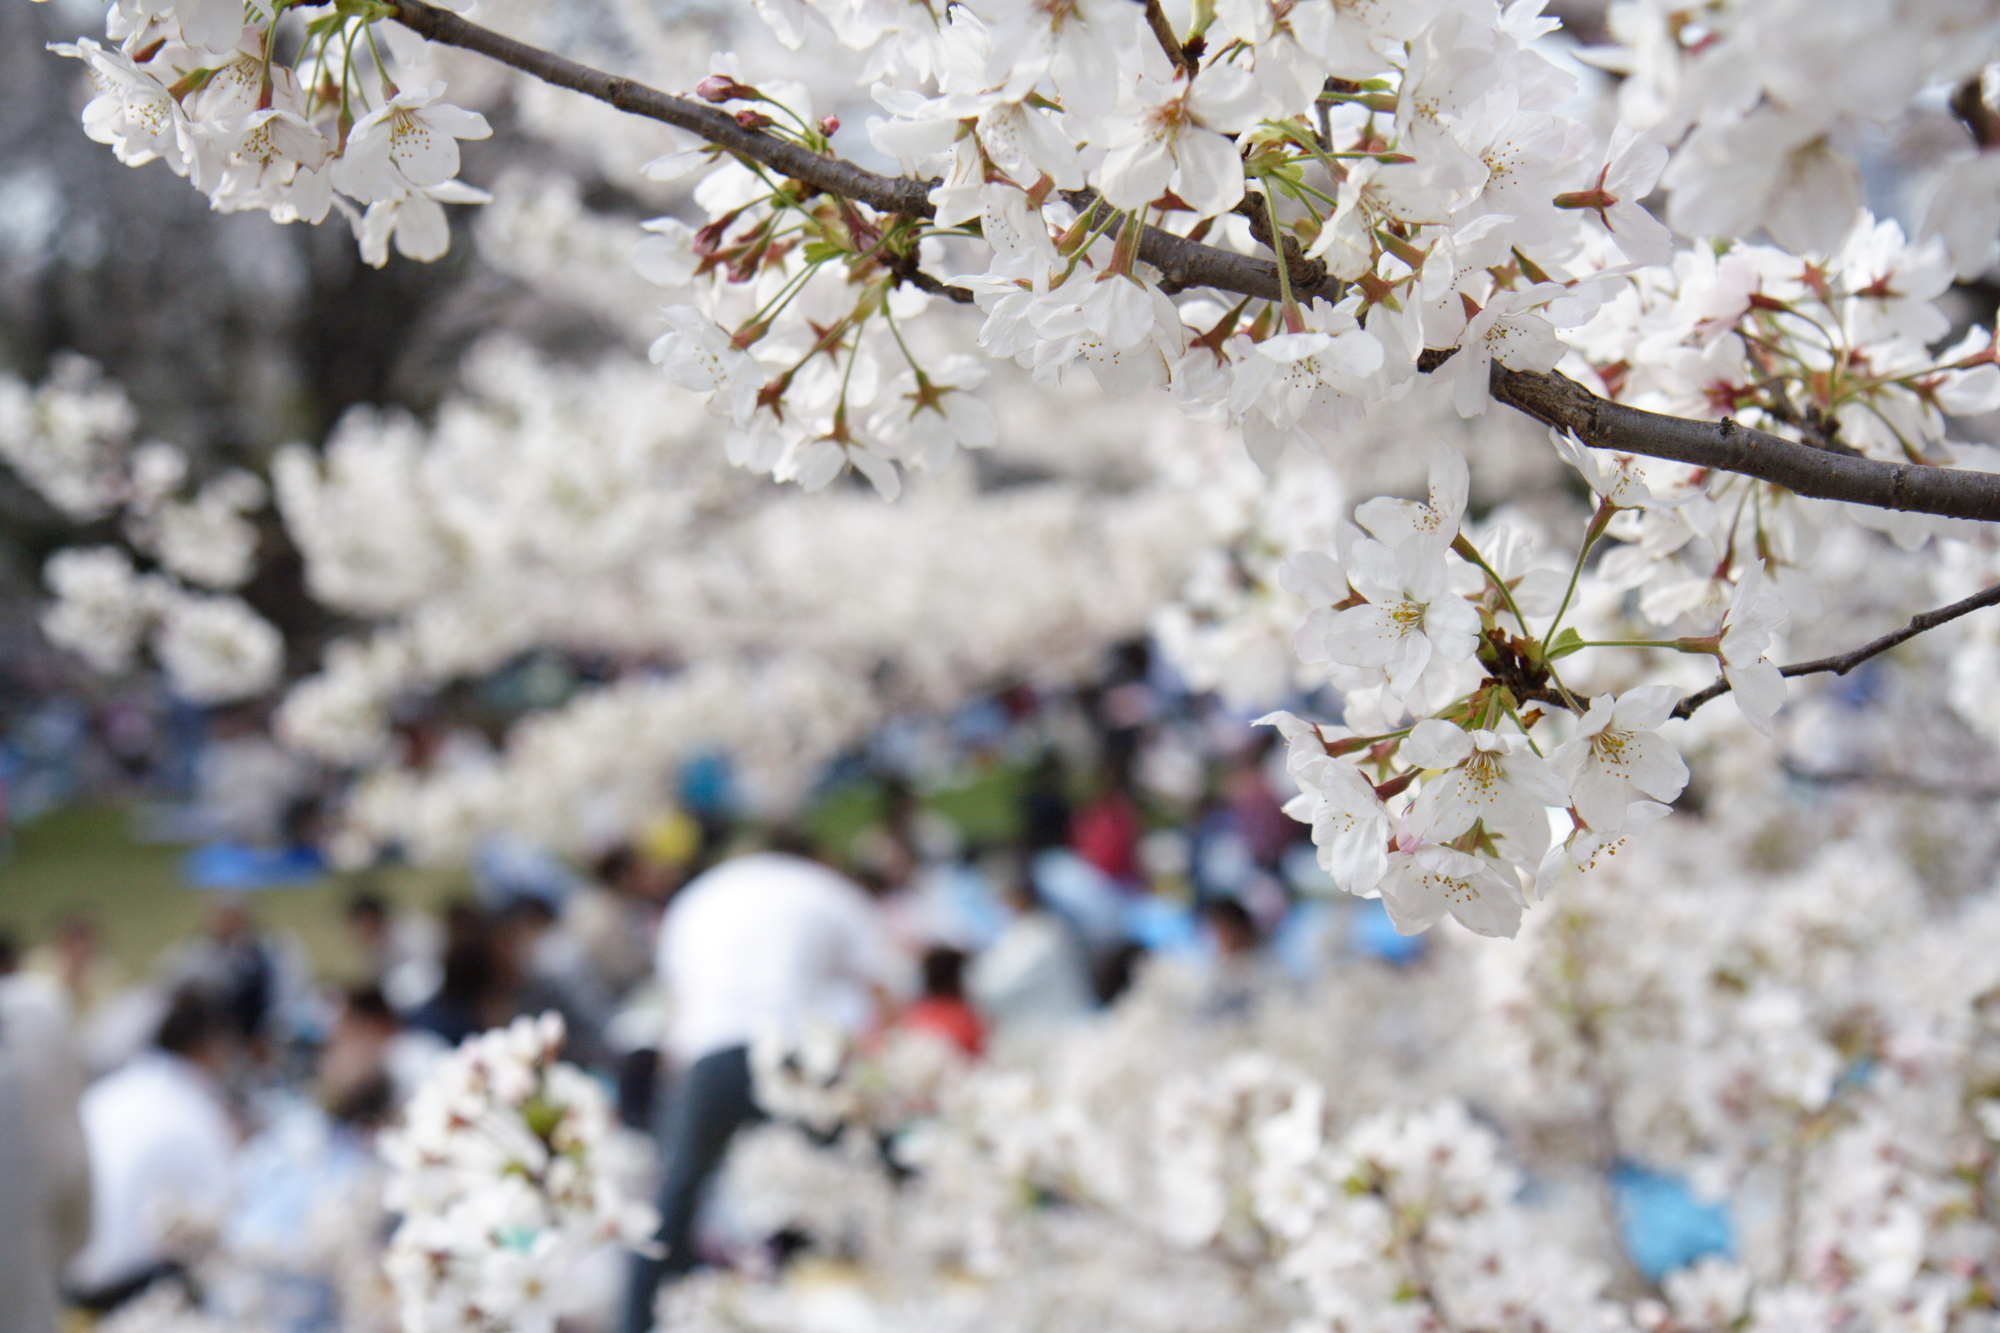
point(940, 895)
point(942, 1009)
point(400, 950)
point(304, 1211)
point(474, 992)
point(507, 866)
point(74, 958)
point(1258, 814)
point(44, 1171)
point(1242, 970)
point(1116, 971)
point(615, 917)
point(542, 966)
point(247, 785)
point(758, 946)
point(161, 1144)
point(1036, 973)
point(1045, 811)
point(356, 1080)
point(258, 981)
point(1106, 831)
point(954, 903)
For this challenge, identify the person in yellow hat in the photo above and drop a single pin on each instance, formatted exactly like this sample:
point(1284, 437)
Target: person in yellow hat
point(616, 917)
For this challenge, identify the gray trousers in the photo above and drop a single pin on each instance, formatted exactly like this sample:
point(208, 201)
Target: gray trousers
point(709, 1102)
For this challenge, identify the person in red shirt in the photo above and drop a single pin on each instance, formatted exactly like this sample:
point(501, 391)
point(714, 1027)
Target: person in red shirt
point(942, 1009)
point(1106, 831)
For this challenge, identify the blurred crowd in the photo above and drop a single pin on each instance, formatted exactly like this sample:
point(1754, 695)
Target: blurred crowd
point(221, 1099)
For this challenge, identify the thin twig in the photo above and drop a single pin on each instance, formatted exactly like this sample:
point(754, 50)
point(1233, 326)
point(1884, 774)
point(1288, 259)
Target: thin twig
point(906, 270)
point(1843, 663)
point(889, 194)
point(1163, 29)
point(1969, 104)
point(1548, 397)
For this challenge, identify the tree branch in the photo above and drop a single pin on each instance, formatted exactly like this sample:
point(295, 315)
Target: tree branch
point(887, 194)
point(1551, 398)
point(1307, 275)
point(1163, 31)
point(1559, 401)
point(1842, 663)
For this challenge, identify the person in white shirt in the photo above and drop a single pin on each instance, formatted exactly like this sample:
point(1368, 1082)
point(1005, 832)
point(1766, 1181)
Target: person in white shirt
point(161, 1145)
point(1036, 975)
point(754, 948)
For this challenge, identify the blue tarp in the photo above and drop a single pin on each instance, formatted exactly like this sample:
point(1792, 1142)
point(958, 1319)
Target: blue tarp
point(1661, 1223)
point(233, 865)
point(1371, 932)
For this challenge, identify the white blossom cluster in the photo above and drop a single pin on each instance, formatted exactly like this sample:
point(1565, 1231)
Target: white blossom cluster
point(71, 439)
point(1427, 630)
point(507, 1171)
point(1814, 1051)
point(1772, 97)
point(1429, 164)
point(67, 437)
point(351, 124)
point(551, 508)
point(1421, 152)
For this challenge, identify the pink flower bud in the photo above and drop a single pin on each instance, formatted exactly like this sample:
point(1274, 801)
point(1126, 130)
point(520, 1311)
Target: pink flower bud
point(752, 120)
point(829, 125)
point(722, 88)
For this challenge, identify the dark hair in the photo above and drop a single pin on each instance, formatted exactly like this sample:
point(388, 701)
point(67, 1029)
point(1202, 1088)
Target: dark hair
point(526, 909)
point(10, 952)
point(365, 1004)
point(615, 864)
point(1230, 915)
point(794, 841)
point(194, 1019)
point(471, 969)
point(1113, 973)
point(944, 972)
point(368, 903)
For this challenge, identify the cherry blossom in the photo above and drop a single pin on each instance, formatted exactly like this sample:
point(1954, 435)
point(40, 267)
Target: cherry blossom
point(1509, 329)
point(1173, 135)
point(1424, 886)
point(1409, 616)
point(1617, 757)
point(1629, 174)
point(1392, 522)
point(697, 355)
point(410, 141)
point(1489, 779)
point(1756, 611)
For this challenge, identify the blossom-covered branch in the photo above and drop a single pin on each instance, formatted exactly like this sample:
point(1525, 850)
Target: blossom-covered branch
point(1304, 226)
point(1186, 263)
point(890, 194)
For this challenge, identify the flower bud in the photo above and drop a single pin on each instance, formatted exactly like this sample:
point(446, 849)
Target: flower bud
point(829, 125)
point(752, 120)
point(722, 88)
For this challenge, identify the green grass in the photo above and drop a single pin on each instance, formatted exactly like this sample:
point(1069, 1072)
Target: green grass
point(986, 808)
point(83, 859)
